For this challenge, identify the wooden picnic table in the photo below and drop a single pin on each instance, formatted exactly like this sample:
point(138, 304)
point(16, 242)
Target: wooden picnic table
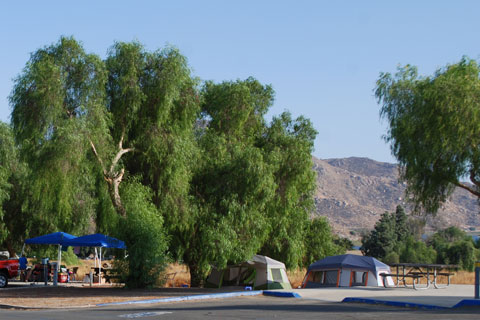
point(418, 271)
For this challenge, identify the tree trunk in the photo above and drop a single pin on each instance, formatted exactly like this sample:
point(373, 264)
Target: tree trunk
point(114, 177)
point(197, 276)
point(113, 191)
point(10, 249)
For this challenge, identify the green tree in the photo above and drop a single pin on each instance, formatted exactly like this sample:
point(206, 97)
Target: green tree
point(415, 251)
point(319, 242)
point(14, 222)
point(389, 232)
point(434, 129)
point(454, 246)
point(81, 123)
point(7, 161)
point(382, 239)
point(144, 236)
point(58, 105)
point(232, 184)
point(287, 146)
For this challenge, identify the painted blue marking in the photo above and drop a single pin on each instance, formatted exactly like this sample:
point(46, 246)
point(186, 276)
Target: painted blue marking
point(394, 303)
point(282, 294)
point(467, 303)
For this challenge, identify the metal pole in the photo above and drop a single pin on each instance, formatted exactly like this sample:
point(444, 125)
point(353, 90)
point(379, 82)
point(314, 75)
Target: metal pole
point(59, 259)
point(477, 280)
point(100, 267)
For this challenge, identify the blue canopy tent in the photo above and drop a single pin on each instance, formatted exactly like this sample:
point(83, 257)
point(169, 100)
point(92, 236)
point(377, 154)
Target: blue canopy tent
point(96, 240)
point(58, 238)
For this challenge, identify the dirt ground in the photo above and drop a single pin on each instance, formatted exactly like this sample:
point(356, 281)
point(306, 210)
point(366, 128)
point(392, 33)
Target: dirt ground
point(38, 296)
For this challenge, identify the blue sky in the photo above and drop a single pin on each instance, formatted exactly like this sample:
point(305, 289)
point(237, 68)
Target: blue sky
point(321, 57)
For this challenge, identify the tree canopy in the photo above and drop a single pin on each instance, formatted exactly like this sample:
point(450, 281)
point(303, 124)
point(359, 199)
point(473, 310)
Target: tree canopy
point(434, 129)
point(136, 147)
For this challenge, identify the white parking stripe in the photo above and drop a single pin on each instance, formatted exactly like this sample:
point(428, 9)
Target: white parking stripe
point(143, 314)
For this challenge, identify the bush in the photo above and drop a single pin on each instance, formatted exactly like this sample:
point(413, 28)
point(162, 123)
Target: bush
point(391, 258)
point(416, 252)
point(143, 233)
point(462, 253)
point(319, 242)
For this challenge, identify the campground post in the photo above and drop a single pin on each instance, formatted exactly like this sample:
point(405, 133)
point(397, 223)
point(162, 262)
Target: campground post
point(477, 280)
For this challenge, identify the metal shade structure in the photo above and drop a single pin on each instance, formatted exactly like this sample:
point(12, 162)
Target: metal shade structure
point(56, 238)
point(51, 238)
point(96, 240)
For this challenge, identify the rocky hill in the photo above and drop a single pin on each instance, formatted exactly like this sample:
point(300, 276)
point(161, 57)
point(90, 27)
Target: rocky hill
point(353, 192)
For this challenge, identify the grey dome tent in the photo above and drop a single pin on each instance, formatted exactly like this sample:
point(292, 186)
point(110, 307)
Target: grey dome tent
point(346, 270)
point(260, 272)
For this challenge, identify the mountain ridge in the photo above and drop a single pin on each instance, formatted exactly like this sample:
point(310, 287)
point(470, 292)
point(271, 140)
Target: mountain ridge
point(354, 192)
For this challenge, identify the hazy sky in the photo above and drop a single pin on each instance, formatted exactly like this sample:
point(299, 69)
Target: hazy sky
point(321, 57)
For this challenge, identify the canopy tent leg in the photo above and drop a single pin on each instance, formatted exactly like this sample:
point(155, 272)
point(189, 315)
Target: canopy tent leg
point(100, 267)
point(59, 256)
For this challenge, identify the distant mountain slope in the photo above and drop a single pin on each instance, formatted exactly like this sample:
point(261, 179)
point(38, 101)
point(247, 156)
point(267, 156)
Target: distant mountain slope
point(353, 192)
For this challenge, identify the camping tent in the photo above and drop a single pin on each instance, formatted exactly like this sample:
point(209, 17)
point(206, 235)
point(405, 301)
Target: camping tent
point(260, 272)
point(96, 240)
point(346, 271)
point(58, 238)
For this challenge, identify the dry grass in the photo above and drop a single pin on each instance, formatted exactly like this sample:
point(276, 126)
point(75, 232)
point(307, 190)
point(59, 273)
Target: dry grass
point(460, 277)
point(182, 275)
point(296, 277)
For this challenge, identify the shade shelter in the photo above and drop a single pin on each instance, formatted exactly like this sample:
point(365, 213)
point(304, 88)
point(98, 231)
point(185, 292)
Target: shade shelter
point(56, 238)
point(96, 240)
point(346, 270)
point(260, 272)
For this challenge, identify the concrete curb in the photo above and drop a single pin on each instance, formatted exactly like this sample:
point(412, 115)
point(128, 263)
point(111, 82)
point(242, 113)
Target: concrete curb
point(467, 303)
point(394, 303)
point(184, 298)
point(281, 294)
point(463, 303)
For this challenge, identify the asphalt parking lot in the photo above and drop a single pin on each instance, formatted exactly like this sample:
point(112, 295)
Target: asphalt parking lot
point(253, 307)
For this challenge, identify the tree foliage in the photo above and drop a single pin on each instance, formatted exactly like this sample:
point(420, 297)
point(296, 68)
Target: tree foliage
point(133, 146)
point(57, 104)
point(389, 231)
point(144, 235)
point(319, 242)
point(434, 129)
point(454, 246)
point(287, 147)
point(232, 184)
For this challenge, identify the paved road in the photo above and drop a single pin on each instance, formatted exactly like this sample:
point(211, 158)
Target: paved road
point(258, 307)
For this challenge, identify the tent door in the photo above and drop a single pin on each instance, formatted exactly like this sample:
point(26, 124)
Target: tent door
point(358, 278)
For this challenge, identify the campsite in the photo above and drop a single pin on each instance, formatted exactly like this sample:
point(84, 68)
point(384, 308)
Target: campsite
point(239, 159)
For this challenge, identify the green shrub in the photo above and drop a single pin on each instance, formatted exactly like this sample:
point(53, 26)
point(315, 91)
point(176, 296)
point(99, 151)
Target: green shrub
point(143, 233)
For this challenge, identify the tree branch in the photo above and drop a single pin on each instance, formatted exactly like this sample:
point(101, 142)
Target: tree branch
point(473, 179)
point(120, 153)
point(98, 157)
point(463, 186)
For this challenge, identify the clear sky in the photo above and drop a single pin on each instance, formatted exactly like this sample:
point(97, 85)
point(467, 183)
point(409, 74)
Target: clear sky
point(321, 57)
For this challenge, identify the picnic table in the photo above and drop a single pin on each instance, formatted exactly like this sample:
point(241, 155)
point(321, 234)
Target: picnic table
point(418, 271)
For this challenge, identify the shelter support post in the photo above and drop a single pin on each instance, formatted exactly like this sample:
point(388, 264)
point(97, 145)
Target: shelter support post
point(59, 259)
point(477, 280)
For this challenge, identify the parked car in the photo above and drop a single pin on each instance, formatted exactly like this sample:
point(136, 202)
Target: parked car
point(9, 269)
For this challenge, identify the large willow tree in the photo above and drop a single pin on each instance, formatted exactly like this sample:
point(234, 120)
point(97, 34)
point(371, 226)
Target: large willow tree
point(434, 129)
point(133, 146)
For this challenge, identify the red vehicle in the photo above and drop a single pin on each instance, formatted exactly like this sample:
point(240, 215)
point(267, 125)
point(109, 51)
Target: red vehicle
point(8, 269)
